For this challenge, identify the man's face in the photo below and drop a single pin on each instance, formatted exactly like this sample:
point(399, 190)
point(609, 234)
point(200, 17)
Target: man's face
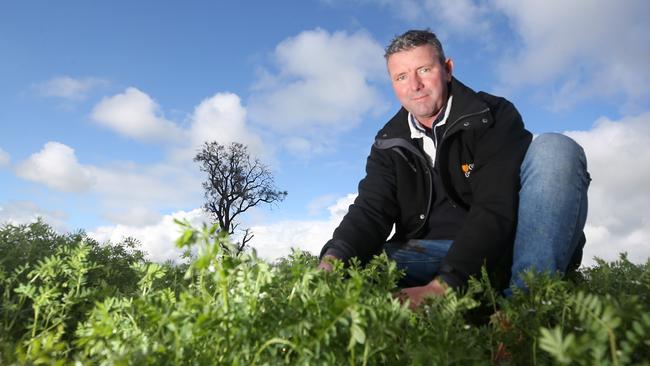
point(420, 81)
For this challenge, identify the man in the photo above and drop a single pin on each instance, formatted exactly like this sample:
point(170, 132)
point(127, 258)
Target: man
point(456, 173)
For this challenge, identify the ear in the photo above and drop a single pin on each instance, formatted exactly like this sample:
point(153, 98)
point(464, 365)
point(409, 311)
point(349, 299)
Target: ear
point(449, 68)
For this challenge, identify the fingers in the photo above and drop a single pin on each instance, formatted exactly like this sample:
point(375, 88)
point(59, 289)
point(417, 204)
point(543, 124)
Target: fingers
point(408, 294)
point(401, 296)
point(325, 266)
point(417, 295)
point(326, 263)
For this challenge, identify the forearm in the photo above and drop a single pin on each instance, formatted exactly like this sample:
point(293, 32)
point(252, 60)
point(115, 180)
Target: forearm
point(369, 220)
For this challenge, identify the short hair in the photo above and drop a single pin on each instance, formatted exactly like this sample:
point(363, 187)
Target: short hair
point(414, 38)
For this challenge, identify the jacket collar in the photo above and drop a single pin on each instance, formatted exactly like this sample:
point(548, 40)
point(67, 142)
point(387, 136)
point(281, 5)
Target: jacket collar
point(466, 102)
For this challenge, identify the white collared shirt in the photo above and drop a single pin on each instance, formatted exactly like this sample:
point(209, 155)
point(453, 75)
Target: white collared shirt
point(418, 132)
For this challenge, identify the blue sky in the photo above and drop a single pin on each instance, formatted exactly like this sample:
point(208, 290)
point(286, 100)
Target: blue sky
point(103, 104)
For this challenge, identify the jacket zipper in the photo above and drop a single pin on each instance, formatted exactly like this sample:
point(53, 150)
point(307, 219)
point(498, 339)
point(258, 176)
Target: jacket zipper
point(428, 169)
point(442, 141)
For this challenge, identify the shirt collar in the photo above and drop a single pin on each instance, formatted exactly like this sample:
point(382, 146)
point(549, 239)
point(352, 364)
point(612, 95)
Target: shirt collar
point(417, 131)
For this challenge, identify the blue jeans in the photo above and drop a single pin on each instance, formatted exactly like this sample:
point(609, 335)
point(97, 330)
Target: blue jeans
point(551, 216)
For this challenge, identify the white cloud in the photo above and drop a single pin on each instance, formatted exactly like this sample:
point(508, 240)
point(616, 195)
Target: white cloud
point(5, 159)
point(410, 10)
point(129, 193)
point(25, 212)
point(577, 50)
point(318, 204)
point(462, 14)
point(276, 240)
point(602, 243)
point(137, 216)
point(158, 240)
point(131, 190)
point(177, 181)
point(460, 17)
point(135, 114)
point(57, 167)
point(270, 241)
point(323, 84)
point(69, 88)
point(222, 118)
point(456, 18)
point(298, 145)
point(619, 195)
point(589, 48)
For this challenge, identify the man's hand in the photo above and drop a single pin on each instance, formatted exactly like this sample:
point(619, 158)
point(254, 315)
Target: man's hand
point(416, 295)
point(326, 263)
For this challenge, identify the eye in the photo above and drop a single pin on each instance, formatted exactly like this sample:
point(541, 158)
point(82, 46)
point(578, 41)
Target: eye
point(400, 77)
point(424, 70)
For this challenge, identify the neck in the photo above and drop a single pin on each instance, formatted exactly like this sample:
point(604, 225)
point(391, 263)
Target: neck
point(428, 122)
point(437, 117)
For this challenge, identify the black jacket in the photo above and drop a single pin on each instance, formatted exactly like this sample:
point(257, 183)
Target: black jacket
point(483, 132)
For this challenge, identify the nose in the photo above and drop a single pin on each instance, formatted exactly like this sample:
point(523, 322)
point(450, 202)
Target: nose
point(415, 82)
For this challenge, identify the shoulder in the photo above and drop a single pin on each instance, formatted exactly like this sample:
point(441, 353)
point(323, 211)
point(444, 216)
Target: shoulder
point(497, 104)
point(468, 100)
point(500, 120)
point(397, 126)
point(503, 112)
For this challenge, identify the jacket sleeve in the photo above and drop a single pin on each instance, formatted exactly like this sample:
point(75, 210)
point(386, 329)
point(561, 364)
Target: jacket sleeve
point(369, 220)
point(487, 234)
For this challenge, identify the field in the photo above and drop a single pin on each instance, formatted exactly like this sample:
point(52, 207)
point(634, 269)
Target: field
point(66, 299)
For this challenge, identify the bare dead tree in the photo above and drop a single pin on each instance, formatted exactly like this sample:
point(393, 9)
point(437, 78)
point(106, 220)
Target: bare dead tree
point(235, 183)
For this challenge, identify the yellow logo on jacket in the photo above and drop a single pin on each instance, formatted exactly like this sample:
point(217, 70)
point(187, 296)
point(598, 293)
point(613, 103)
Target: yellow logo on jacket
point(467, 169)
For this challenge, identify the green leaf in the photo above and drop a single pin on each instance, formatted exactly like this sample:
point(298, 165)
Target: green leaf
point(553, 342)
